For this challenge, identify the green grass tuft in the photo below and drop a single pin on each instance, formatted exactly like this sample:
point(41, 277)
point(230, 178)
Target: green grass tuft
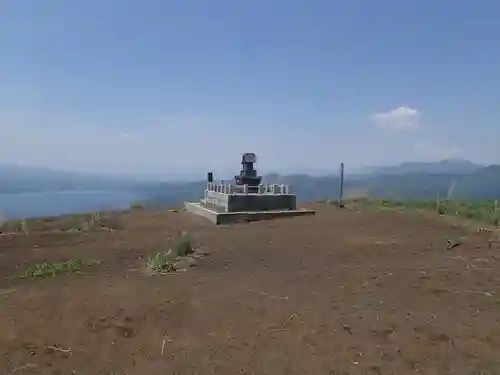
point(136, 206)
point(161, 262)
point(94, 221)
point(15, 227)
point(184, 245)
point(45, 269)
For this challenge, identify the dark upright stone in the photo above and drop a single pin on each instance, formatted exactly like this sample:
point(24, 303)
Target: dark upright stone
point(248, 175)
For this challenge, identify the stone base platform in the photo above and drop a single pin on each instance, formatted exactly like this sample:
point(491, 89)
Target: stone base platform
point(219, 217)
point(237, 202)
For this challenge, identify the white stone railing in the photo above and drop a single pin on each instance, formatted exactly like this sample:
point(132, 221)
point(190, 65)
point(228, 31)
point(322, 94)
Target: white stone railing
point(235, 189)
point(219, 188)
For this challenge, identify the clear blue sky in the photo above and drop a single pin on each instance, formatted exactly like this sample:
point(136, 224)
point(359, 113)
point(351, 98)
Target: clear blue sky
point(158, 86)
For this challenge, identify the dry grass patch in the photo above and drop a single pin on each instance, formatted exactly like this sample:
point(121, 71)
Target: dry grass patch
point(170, 260)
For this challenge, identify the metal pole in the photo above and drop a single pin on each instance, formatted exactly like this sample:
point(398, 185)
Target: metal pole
point(341, 187)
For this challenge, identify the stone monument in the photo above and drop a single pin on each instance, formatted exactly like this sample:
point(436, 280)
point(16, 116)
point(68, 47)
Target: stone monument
point(248, 175)
point(247, 199)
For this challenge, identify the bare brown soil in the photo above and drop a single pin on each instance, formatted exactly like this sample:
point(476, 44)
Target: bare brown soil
point(342, 292)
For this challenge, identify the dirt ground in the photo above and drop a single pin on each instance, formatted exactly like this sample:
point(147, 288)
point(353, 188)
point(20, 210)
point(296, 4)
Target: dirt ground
point(343, 292)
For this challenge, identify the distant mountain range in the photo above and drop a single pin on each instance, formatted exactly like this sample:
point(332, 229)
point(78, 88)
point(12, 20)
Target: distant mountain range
point(456, 178)
point(449, 166)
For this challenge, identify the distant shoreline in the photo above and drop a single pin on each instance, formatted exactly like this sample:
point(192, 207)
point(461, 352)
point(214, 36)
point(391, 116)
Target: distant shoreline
point(66, 191)
point(25, 205)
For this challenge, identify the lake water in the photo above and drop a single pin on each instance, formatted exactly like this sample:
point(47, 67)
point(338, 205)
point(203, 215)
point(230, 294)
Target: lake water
point(25, 205)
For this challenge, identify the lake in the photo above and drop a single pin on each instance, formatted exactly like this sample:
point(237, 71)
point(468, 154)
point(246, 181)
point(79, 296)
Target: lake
point(26, 205)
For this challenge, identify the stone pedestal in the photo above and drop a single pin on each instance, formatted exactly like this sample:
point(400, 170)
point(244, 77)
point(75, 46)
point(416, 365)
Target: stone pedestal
point(232, 198)
point(226, 203)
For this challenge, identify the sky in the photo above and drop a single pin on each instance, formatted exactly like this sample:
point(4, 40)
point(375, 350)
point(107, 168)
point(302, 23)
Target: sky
point(178, 87)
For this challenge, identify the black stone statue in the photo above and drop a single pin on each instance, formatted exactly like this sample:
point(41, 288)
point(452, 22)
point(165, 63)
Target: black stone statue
point(248, 175)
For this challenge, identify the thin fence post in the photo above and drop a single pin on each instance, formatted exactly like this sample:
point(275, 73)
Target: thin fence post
point(496, 206)
point(341, 185)
point(438, 202)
